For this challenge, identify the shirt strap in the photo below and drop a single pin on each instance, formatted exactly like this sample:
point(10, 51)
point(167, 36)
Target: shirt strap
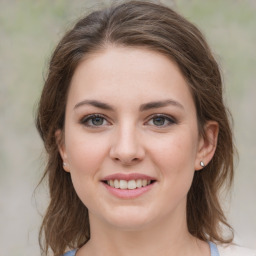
point(214, 249)
point(70, 253)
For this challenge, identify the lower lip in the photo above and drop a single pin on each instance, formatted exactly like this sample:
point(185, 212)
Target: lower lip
point(128, 193)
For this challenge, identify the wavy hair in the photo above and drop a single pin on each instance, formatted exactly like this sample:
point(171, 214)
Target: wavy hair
point(160, 29)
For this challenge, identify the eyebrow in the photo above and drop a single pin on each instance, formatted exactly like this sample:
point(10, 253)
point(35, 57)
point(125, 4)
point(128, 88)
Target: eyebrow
point(95, 103)
point(160, 104)
point(143, 107)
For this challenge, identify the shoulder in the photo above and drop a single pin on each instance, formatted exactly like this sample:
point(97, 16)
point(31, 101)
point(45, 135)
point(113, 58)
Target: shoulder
point(235, 250)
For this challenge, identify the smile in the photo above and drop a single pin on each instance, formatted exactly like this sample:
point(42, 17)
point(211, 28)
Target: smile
point(128, 184)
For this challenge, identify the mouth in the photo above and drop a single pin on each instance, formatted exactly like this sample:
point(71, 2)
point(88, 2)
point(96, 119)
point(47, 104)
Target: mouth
point(129, 184)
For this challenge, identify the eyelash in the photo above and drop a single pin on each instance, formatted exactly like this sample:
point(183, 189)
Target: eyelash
point(85, 120)
point(170, 120)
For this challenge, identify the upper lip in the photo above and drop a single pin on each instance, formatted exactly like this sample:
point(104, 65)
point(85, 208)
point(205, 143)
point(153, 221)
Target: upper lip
point(129, 176)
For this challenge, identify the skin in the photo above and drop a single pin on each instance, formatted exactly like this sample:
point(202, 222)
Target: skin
point(131, 140)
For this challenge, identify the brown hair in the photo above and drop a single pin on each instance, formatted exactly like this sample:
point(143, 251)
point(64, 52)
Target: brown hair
point(156, 27)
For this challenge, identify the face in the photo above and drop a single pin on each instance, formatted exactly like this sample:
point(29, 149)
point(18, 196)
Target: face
point(131, 141)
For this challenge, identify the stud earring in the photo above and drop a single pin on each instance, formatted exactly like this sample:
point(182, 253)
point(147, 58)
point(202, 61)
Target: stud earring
point(202, 163)
point(65, 167)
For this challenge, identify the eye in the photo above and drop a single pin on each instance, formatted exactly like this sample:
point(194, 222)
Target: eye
point(161, 120)
point(94, 121)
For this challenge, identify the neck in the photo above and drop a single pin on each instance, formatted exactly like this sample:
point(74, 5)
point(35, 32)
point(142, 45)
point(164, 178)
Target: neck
point(165, 238)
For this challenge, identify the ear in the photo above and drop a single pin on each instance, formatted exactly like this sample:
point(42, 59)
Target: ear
point(207, 144)
point(59, 137)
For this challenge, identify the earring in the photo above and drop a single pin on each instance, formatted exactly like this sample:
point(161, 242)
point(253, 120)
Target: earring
point(64, 164)
point(202, 163)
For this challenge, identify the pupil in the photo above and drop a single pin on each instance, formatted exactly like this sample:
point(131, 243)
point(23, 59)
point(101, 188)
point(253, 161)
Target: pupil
point(97, 120)
point(159, 121)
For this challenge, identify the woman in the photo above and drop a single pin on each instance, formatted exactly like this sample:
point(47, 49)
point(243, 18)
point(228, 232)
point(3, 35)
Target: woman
point(138, 138)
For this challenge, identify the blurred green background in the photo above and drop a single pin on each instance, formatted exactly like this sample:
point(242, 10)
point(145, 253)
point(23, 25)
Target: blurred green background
point(30, 29)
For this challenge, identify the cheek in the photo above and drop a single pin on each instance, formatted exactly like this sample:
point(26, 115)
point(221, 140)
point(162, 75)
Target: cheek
point(85, 153)
point(85, 156)
point(176, 151)
point(175, 157)
point(175, 162)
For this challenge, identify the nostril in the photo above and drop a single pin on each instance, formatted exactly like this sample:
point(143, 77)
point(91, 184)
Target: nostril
point(126, 151)
point(127, 161)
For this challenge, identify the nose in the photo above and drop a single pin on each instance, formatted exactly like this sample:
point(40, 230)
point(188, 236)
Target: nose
point(127, 147)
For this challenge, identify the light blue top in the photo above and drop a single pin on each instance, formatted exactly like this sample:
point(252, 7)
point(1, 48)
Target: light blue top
point(70, 253)
point(213, 247)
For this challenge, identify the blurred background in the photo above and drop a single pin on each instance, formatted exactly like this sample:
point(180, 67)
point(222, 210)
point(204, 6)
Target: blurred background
point(30, 29)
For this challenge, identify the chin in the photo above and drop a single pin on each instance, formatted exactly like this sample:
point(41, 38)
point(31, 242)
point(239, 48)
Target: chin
point(129, 219)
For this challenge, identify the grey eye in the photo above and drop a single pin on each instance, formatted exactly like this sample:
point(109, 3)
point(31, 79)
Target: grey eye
point(94, 121)
point(159, 121)
point(97, 120)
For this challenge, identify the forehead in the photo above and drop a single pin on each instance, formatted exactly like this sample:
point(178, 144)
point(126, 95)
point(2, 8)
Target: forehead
point(135, 74)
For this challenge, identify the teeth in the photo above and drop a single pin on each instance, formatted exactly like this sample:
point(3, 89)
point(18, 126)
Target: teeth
point(138, 183)
point(131, 184)
point(116, 184)
point(123, 184)
point(111, 183)
point(144, 183)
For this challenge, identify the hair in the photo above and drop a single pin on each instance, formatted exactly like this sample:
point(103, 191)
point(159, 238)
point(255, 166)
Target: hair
point(160, 29)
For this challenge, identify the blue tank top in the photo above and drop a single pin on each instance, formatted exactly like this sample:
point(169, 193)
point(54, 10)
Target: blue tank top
point(70, 253)
point(213, 247)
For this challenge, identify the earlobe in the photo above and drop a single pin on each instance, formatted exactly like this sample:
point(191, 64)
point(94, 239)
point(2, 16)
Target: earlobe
point(62, 150)
point(207, 145)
